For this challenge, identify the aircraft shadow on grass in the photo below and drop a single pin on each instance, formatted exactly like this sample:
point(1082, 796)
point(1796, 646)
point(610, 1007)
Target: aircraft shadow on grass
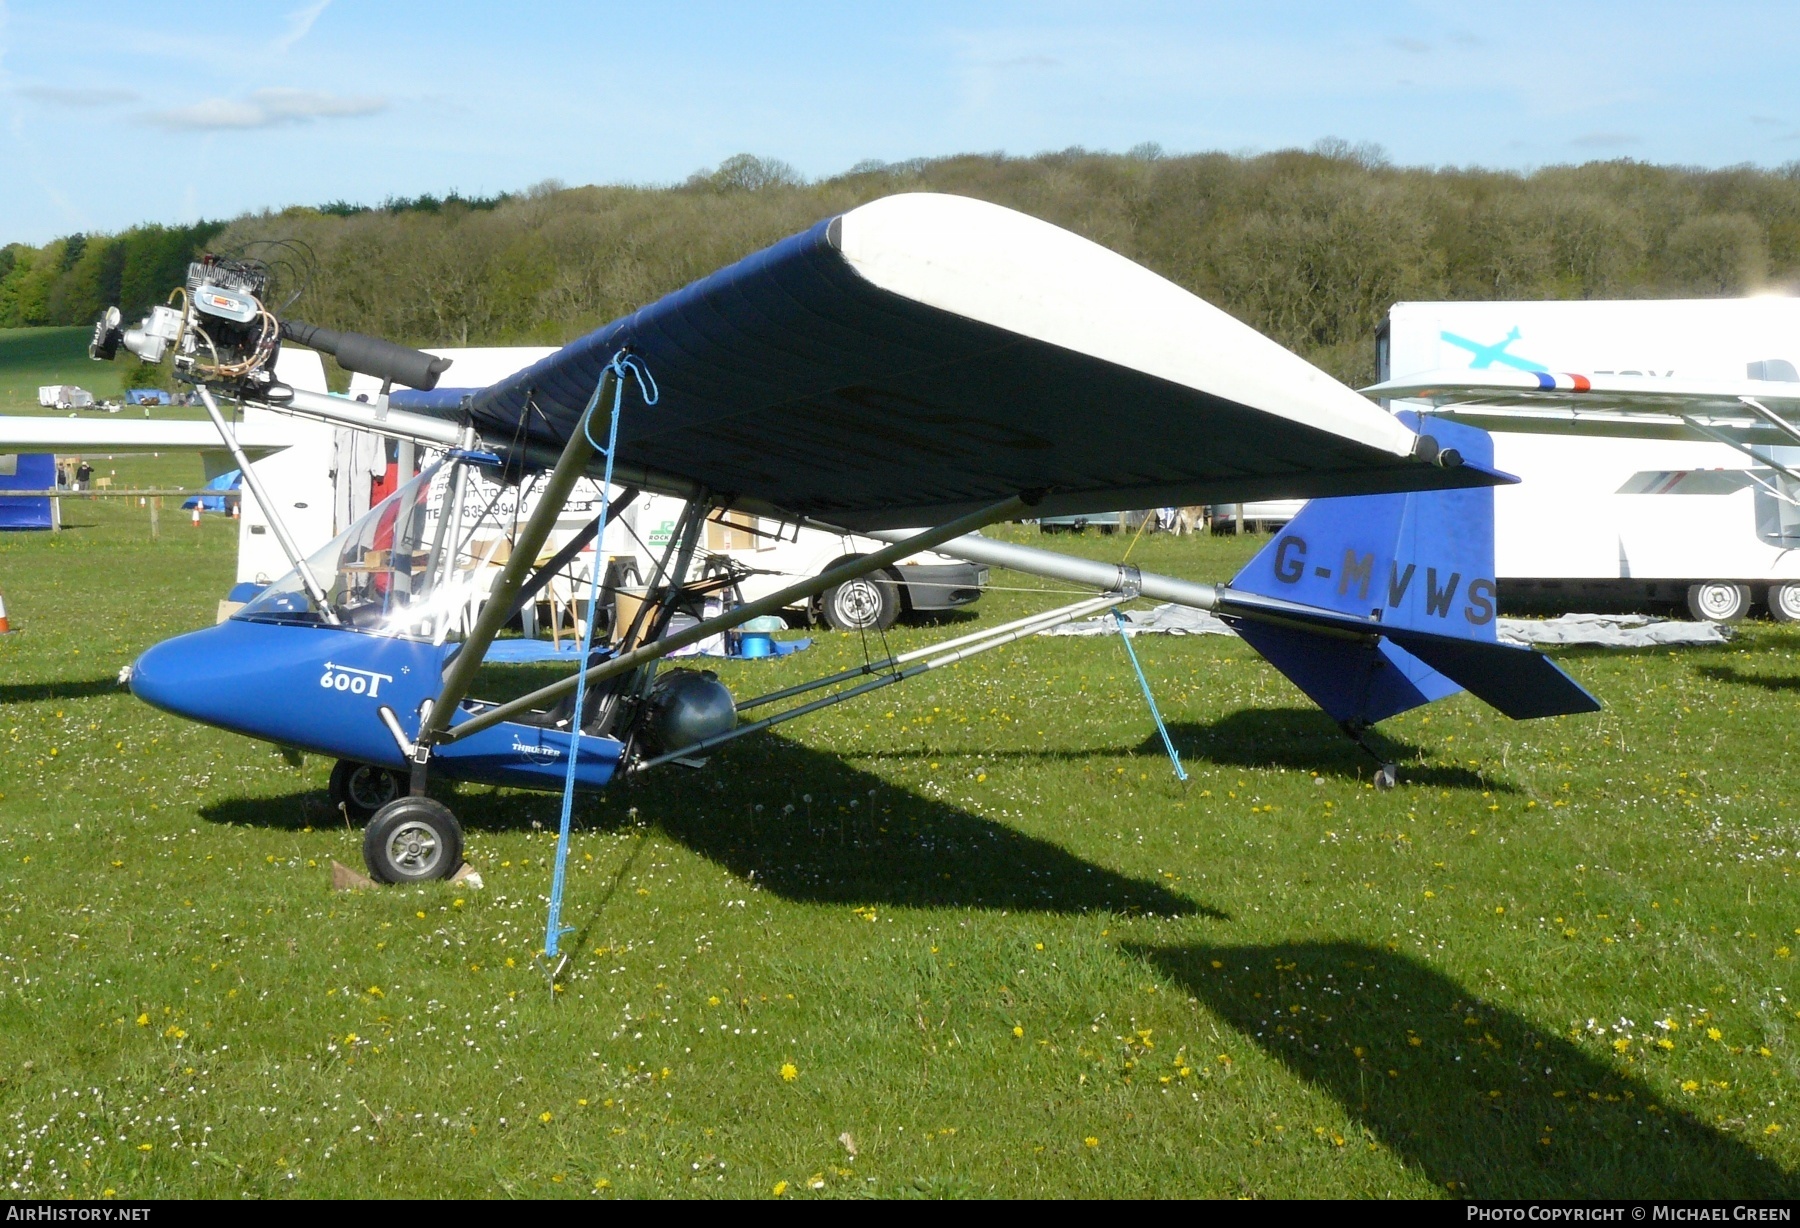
point(1417, 1060)
point(1768, 682)
point(892, 846)
point(1307, 739)
point(36, 692)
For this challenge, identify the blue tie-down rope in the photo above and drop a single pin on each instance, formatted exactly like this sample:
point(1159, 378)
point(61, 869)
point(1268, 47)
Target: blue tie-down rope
point(1168, 743)
point(622, 363)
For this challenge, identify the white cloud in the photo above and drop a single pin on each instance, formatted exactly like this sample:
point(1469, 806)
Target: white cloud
point(78, 96)
point(266, 109)
point(300, 24)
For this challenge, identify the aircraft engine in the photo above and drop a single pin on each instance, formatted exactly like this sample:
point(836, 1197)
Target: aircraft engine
point(687, 706)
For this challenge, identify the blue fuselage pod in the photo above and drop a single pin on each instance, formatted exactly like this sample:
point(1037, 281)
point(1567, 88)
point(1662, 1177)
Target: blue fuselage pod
point(322, 689)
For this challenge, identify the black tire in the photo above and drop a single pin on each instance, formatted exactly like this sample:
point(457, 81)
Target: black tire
point(1718, 601)
point(412, 840)
point(867, 603)
point(1784, 603)
point(362, 788)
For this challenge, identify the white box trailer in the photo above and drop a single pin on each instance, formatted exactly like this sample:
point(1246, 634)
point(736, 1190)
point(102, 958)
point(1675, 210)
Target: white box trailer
point(1606, 521)
point(64, 396)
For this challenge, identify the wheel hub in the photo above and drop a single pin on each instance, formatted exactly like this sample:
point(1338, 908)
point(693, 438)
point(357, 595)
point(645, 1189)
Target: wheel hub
point(414, 847)
point(858, 602)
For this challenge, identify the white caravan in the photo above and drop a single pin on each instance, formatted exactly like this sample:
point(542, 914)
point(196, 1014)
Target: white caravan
point(1611, 520)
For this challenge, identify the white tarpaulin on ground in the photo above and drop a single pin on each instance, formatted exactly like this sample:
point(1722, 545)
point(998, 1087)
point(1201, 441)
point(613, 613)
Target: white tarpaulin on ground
point(1162, 620)
point(1603, 630)
point(1610, 631)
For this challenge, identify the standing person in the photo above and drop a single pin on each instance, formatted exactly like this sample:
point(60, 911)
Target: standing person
point(83, 472)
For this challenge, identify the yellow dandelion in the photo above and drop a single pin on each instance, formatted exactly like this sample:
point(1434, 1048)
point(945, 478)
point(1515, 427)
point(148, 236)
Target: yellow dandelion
point(352, 1038)
point(1018, 1031)
point(1622, 1044)
point(143, 1021)
point(374, 991)
point(545, 1117)
point(1091, 1141)
point(1689, 1085)
point(780, 1188)
point(1772, 1128)
point(1714, 1034)
point(789, 1072)
point(146, 1146)
point(420, 914)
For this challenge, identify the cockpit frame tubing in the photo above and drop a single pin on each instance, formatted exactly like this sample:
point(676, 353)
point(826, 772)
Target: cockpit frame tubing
point(625, 662)
point(570, 466)
point(269, 509)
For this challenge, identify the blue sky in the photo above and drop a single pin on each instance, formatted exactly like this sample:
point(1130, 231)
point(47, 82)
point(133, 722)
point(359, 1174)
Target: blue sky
point(111, 114)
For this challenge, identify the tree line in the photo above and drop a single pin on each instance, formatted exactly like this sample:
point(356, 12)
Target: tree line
point(1310, 246)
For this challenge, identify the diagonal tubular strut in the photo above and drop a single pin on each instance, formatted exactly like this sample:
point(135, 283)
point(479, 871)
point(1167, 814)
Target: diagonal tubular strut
point(626, 662)
point(939, 655)
point(269, 509)
point(573, 462)
point(567, 554)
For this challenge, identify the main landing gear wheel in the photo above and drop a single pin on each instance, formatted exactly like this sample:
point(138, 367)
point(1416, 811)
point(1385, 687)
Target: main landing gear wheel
point(412, 840)
point(362, 789)
point(1784, 603)
point(1718, 602)
point(867, 603)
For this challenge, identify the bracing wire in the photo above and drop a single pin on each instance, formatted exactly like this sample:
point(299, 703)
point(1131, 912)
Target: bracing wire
point(622, 363)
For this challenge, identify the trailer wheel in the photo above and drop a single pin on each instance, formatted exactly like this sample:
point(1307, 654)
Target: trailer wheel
point(1718, 602)
point(362, 789)
point(1784, 603)
point(411, 840)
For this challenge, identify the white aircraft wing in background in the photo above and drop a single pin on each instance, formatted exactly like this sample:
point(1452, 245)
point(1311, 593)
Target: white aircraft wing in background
point(1744, 413)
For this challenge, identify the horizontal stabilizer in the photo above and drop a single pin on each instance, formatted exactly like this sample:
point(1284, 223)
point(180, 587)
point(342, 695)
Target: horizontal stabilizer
point(1518, 681)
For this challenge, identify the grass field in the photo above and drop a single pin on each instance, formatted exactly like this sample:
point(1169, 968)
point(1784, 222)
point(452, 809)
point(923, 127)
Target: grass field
point(971, 925)
point(30, 357)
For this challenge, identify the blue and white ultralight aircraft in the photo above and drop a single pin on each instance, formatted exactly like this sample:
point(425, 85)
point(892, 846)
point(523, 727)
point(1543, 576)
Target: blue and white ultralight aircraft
point(922, 359)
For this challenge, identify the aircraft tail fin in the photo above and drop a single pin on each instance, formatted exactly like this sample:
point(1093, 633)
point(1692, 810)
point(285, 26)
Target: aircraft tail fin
point(1376, 604)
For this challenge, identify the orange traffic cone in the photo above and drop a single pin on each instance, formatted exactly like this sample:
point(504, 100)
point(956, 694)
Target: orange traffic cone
point(4, 625)
point(196, 515)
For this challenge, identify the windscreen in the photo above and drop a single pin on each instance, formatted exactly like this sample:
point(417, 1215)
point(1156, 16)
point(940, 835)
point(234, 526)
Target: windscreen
point(396, 571)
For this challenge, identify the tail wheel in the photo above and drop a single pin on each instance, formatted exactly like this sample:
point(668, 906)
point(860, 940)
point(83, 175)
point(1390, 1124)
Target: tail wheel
point(412, 840)
point(1718, 602)
point(1784, 603)
point(867, 603)
point(362, 788)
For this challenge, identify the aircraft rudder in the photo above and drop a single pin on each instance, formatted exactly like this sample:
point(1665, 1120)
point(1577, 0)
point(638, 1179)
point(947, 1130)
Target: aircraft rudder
point(1423, 560)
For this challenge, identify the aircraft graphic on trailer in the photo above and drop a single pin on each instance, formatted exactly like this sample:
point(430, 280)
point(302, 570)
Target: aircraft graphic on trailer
point(922, 359)
point(1481, 357)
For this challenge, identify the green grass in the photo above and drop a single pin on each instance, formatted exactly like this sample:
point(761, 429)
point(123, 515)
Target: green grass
point(30, 357)
point(999, 946)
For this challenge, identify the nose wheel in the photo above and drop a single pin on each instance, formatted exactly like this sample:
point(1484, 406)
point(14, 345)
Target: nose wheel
point(412, 840)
